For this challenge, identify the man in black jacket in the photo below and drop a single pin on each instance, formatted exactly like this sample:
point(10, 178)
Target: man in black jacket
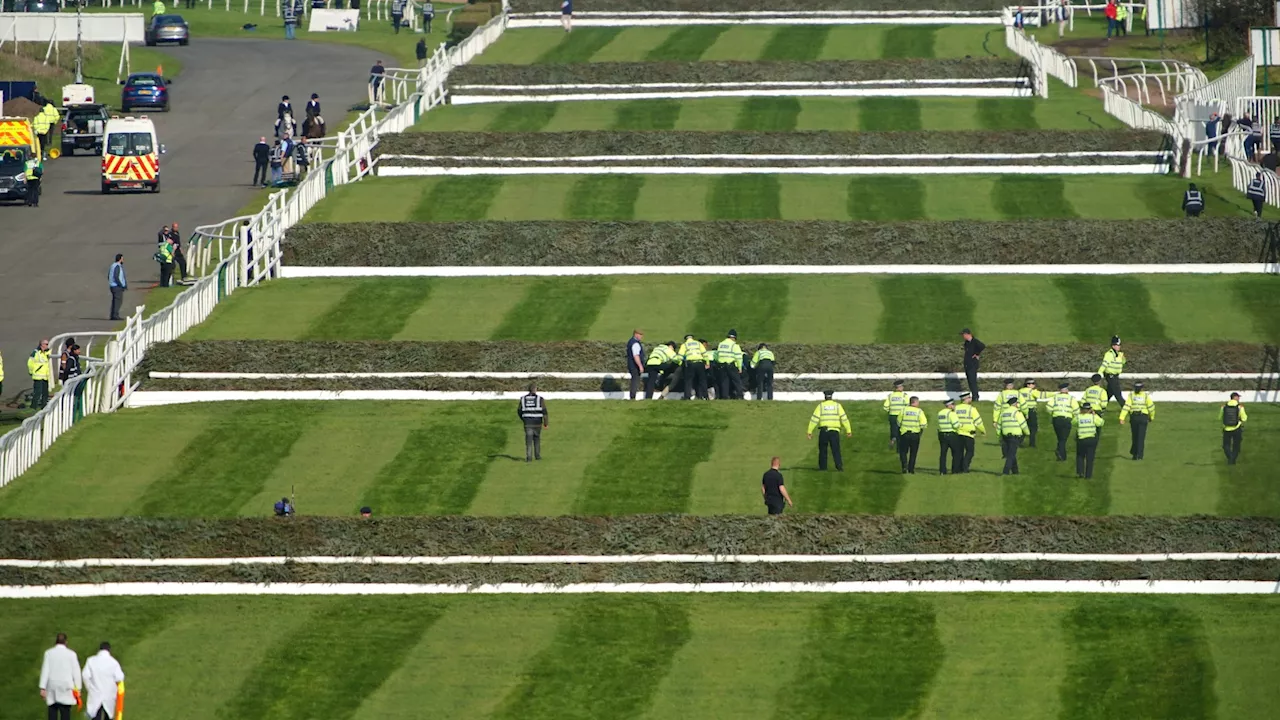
point(973, 348)
point(261, 154)
point(533, 412)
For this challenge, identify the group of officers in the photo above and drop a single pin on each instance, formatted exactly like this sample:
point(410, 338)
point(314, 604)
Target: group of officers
point(696, 367)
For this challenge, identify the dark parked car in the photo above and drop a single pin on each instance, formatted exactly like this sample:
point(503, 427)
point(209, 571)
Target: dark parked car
point(167, 28)
point(145, 90)
point(41, 6)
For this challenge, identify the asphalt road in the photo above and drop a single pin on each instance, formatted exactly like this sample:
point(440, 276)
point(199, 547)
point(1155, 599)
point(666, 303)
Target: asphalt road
point(54, 258)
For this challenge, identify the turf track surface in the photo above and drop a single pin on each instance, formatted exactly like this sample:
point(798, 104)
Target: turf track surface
point(411, 458)
point(765, 197)
point(837, 309)
point(674, 656)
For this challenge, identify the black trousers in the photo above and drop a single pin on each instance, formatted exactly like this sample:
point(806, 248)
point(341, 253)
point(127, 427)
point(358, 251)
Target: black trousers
point(532, 442)
point(1062, 429)
point(1033, 424)
point(1010, 444)
point(1113, 388)
point(58, 711)
point(829, 438)
point(1257, 206)
point(1086, 449)
point(651, 375)
point(636, 379)
point(117, 298)
point(963, 455)
point(1231, 444)
point(764, 380)
point(729, 382)
point(181, 261)
point(39, 393)
point(775, 503)
point(260, 173)
point(695, 380)
point(1138, 434)
point(397, 19)
point(426, 24)
point(948, 442)
point(1194, 211)
point(893, 430)
point(908, 448)
point(166, 274)
point(33, 192)
point(971, 376)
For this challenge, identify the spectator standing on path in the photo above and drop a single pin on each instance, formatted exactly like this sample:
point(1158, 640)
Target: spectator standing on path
point(290, 20)
point(566, 14)
point(1113, 362)
point(60, 680)
point(635, 361)
point(533, 411)
point(104, 679)
point(428, 14)
point(776, 497)
point(1257, 194)
point(38, 368)
point(261, 156)
point(377, 74)
point(829, 418)
point(1233, 418)
point(397, 14)
point(420, 50)
point(973, 348)
point(1193, 201)
point(1087, 427)
point(118, 283)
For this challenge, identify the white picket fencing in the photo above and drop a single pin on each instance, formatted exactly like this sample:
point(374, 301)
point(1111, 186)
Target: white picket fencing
point(230, 255)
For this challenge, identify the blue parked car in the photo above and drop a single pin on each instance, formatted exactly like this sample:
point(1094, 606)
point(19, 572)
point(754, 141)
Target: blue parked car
point(144, 90)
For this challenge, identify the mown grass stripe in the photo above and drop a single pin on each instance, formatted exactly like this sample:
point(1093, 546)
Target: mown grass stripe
point(754, 306)
point(909, 41)
point(687, 43)
point(441, 465)
point(886, 198)
point(458, 199)
point(1139, 657)
point(579, 45)
point(1256, 296)
point(1099, 306)
point(1248, 488)
point(998, 114)
point(796, 42)
point(523, 117)
point(372, 311)
point(920, 309)
point(768, 114)
point(606, 661)
point(887, 114)
point(603, 197)
point(647, 115)
point(649, 468)
point(1048, 487)
point(745, 197)
point(333, 662)
point(555, 310)
point(870, 656)
point(226, 465)
point(1031, 196)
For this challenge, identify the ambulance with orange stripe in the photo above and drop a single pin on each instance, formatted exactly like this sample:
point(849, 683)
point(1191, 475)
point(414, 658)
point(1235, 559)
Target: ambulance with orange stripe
point(18, 144)
point(131, 155)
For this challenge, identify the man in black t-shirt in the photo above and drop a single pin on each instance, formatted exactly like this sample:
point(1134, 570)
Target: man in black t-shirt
point(775, 493)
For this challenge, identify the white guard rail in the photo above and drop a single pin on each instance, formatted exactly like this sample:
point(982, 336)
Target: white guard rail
point(232, 254)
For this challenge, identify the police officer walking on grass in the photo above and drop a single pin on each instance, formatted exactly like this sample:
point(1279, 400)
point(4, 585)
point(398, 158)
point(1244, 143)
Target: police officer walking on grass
point(968, 423)
point(1096, 395)
point(1063, 408)
point(1088, 426)
point(948, 440)
point(1002, 402)
point(1233, 418)
point(762, 365)
point(533, 411)
point(911, 425)
point(1028, 397)
point(1140, 410)
point(1113, 362)
point(829, 418)
point(894, 405)
point(1193, 201)
point(1011, 426)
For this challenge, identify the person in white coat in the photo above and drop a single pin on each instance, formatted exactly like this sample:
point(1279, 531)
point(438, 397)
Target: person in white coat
point(101, 675)
point(60, 679)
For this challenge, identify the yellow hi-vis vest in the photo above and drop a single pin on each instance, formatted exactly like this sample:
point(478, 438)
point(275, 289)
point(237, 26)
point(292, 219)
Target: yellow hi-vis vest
point(829, 415)
point(1063, 405)
point(1011, 422)
point(692, 351)
point(968, 420)
point(38, 365)
point(728, 352)
point(1139, 403)
point(896, 402)
point(1028, 397)
point(1096, 396)
point(661, 355)
point(912, 420)
point(762, 354)
point(947, 420)
point(1088, 425)
point(1112, 363)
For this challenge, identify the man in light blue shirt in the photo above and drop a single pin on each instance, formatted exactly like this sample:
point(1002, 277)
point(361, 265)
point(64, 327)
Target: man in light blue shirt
point(118, 283)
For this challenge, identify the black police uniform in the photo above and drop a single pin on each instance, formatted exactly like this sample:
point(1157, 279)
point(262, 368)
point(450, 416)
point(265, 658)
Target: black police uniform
point(972, 349)
point(1193, 202)
point(533, 411)
point(773, 493)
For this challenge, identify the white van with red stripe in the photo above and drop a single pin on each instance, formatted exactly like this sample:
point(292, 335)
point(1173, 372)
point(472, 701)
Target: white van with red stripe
point(131, 155)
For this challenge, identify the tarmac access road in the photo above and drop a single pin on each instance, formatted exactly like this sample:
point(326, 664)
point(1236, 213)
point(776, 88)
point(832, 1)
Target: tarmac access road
point(54, 258)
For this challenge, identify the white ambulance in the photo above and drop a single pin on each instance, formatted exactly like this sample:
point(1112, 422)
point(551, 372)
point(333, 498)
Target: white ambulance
point(131, 155)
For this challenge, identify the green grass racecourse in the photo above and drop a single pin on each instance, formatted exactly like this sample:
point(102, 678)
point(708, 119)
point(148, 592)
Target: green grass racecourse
point(655, 658)
point(839, 309)
point(607, 458)
point(710, 43)
point(768, 197)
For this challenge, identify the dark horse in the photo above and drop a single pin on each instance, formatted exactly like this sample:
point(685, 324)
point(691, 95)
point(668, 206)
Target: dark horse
point(313, 127)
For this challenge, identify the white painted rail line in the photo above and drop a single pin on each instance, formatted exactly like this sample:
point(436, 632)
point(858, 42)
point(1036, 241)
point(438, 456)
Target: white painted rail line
point(435, 171)
point(1114, 587)
point(154, 398)
point(499, 375)
point(288, 271)
point(687, 559)
point(741, 84)
point(594, 20)
point(1020, 91)
point(817, 157)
